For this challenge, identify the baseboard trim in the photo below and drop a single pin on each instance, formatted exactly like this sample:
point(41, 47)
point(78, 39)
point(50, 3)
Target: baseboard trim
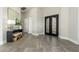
point(35, 34)
point(41, 33)
point(1, 43)
point(66, 38)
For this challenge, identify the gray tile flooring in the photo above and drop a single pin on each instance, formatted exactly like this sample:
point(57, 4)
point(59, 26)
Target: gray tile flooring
point(42, 43)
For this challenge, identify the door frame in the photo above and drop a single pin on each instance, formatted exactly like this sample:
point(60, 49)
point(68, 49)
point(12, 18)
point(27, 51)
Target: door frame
point(57, 24)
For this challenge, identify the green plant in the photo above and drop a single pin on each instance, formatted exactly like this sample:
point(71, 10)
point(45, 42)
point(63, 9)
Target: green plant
point(18, 22)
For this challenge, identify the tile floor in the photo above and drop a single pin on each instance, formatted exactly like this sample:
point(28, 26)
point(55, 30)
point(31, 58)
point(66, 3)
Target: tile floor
point(42, 43)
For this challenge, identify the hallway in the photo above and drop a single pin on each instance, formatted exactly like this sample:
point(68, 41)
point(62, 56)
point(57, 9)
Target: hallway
point(42, 43)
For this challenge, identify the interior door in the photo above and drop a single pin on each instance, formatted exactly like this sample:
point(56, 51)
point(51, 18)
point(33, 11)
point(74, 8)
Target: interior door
point(47, 25)
point(51, 25)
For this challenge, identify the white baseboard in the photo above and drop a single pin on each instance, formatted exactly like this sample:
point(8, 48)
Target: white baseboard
point(66, 38)
point(41, 33)
point(1, 43)
point(35, 34)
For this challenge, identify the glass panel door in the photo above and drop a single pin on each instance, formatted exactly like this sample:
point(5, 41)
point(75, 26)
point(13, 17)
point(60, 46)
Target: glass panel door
point(53, 25)
point(47, 25)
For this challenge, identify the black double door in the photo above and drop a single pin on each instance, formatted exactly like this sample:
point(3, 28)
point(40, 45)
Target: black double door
point(51, 25)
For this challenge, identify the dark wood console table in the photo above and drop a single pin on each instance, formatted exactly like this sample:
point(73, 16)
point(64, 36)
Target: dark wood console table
point(10, 34)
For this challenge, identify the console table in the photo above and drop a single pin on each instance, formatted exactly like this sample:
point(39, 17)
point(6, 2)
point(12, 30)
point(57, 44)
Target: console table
point(14, 35)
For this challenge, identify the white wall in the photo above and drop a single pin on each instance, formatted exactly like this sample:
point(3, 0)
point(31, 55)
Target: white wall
point(47, 11)
point(64, 22)
point(25, 24)
point(40, 21)
point(17, 9)
point(68, 21)
point(73, 19)
point(40, 14)
point(31, 21)
point(78, 26)
point(51, 10)
point(3, 25)
point(33, 15)
point(63, 18)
